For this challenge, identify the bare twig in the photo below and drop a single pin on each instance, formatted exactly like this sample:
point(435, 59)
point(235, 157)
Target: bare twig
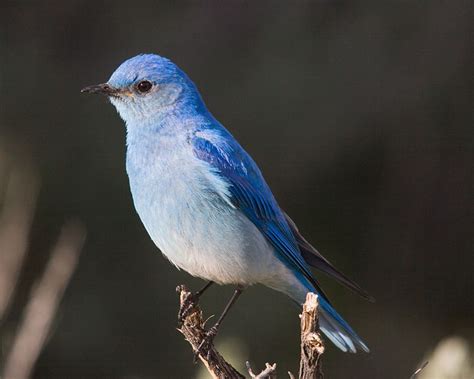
point(192, 327)
point(268, 373)
point(311, 343)
point(42, 307)
point(419, 369)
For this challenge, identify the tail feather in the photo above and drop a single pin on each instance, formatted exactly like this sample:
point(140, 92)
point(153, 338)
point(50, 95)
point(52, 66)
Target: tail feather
point(337, 338)
point(330, 322)
point(314, 258)
point(338, 330)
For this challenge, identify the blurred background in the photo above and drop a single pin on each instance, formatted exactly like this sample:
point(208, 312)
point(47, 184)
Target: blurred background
point(360, 115)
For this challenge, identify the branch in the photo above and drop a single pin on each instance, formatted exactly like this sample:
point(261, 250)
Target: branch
point(312, 346)
point(193, 330)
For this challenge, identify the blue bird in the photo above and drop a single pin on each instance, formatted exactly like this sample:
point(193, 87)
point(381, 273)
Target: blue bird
point(204, 201)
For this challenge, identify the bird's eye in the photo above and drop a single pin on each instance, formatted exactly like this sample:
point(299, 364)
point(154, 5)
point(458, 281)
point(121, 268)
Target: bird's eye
point(144, 86)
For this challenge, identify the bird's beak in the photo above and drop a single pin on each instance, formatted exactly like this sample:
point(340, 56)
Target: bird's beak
point(103, 89)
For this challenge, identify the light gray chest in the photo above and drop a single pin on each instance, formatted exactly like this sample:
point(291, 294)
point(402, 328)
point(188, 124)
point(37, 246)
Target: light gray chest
point(170, 189)
point(176, 199)
point(184, 208)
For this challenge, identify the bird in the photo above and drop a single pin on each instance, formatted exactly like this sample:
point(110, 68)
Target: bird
point(204, 201)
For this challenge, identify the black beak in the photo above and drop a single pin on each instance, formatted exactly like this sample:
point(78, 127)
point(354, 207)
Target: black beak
point(103, 89)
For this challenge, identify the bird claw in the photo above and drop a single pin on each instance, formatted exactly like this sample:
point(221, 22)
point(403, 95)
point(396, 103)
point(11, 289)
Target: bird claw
point(205, 346)
point(187, 306)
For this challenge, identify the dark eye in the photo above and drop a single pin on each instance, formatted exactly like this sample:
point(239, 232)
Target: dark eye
point(144, 86)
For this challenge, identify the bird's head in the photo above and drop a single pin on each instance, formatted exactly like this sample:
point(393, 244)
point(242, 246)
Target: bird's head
point(146, 86)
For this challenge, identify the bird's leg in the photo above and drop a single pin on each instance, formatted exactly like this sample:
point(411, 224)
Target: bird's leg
point(211, 333)
point(190, 301)
point(198, 294)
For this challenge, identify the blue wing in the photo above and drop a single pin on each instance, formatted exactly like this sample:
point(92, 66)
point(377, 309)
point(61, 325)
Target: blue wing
point(251, 194)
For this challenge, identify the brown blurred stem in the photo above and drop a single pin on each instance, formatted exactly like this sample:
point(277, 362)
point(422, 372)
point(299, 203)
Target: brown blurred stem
point(43, 304)
point(193, 329)
point(19, 200)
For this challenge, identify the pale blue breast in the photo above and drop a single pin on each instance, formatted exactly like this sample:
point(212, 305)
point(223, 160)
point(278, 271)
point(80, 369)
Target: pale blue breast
point(185, 209)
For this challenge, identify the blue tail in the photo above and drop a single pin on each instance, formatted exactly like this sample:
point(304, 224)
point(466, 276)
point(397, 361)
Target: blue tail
point(338, 330)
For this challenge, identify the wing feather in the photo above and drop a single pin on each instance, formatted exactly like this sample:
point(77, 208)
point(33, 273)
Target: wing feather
point(251, 194)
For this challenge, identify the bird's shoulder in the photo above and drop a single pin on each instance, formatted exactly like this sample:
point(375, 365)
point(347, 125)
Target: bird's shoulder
point(249, 190)
point(215, 145)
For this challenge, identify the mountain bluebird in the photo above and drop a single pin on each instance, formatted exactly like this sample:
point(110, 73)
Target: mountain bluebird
point(204, 201)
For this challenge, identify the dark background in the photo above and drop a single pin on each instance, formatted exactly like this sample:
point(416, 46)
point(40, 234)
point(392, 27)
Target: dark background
point(360, 115)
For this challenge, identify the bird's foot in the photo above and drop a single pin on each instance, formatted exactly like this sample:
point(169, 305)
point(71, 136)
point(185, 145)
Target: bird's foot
point(206, 344)
point(188, 304)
